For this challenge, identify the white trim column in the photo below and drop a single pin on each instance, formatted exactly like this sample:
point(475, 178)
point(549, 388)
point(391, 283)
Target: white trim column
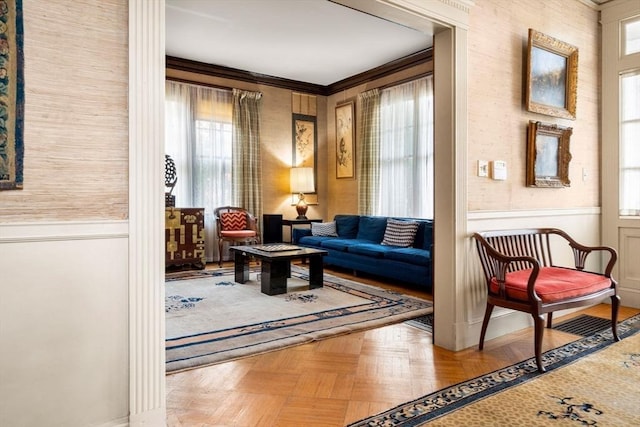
point(146, 213)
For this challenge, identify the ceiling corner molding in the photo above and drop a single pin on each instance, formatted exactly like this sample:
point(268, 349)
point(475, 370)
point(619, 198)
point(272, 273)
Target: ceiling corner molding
point(241, 75)
point(389, 68)
point(382, 71)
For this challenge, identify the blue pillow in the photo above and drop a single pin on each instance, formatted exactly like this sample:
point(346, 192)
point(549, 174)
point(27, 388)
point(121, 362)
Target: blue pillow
point(347, 225)
point(372, 228)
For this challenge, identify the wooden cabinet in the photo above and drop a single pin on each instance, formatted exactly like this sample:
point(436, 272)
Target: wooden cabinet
point(184, 237)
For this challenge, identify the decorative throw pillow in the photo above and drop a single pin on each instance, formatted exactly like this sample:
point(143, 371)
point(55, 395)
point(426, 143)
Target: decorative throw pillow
point(400, 233)
point(233, 221)
point(324, 229)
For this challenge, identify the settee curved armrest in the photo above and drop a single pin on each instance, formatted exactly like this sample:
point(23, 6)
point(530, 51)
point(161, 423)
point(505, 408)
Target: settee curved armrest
point(581, 252)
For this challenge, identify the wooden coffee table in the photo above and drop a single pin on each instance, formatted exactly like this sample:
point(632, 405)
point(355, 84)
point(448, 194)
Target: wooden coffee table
point(276, 265)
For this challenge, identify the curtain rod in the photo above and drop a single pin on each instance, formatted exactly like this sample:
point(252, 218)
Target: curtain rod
point(176, 79)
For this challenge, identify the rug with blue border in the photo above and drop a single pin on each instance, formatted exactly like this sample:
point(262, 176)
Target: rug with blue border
point(592, 381)
point(210, 318)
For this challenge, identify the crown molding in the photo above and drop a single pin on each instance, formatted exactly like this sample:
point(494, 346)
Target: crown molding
point(408, 61)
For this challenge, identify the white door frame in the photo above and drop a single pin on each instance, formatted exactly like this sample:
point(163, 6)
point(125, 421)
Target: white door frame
point(146, 160)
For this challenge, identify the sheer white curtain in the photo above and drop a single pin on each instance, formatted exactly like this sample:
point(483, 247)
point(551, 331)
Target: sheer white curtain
point(406, 150)
point(198, 138)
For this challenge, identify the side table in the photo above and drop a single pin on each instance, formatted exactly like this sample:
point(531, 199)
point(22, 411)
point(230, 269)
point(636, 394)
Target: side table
point(293, 222)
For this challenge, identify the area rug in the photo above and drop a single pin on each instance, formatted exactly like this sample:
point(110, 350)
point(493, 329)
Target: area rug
point(592, 381)
point(212, 319)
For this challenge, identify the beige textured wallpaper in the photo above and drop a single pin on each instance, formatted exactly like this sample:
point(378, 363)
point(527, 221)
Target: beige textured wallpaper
point(497, 117)
point(76, 115)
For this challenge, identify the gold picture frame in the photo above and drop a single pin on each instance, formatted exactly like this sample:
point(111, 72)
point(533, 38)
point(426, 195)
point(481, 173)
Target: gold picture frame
point(345, 140)
point(552, 76)
point(548, 155)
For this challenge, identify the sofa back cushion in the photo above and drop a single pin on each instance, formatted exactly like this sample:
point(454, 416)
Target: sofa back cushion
point(372, 228)
point(424, 235)
point(347, 225)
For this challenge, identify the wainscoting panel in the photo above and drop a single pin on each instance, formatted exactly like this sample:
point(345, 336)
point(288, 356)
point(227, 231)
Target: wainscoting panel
point(629, 267)
point(64, 323)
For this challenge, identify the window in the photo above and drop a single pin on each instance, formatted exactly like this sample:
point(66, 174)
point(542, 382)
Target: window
point(406, 150)
point(631, 36)
point(630, 144)
point(198, 127)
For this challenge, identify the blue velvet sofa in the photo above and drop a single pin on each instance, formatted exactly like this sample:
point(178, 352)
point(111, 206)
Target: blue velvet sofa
point(358, 246)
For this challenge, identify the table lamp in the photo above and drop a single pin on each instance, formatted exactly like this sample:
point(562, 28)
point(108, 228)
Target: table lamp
point(302, 182)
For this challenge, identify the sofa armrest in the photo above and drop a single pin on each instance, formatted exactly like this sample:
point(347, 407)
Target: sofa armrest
point(298, 233)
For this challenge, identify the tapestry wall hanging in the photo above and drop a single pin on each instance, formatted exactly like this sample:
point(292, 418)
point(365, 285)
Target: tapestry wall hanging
point(11, 95)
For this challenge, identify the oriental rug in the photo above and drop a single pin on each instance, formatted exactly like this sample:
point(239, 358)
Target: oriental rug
point(210, 318)
point(592, 381)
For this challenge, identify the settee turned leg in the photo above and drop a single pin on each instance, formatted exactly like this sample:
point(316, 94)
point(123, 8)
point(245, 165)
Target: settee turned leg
point(485, 323)
point(615, 304)
point(538, 322)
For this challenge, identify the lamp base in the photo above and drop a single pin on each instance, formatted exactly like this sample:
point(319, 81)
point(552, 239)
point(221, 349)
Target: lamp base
point(301, 207)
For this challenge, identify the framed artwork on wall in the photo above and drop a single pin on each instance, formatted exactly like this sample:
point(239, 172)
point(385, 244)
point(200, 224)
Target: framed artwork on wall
point(552, 76)
point(345, 140)
point(305, 144)
point(548, 155)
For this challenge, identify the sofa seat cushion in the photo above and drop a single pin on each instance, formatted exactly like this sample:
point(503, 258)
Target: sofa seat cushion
point(553, 284)
point(315, 241)
point(410, 255)
point(237, 234)
point(374, 250)
point(341, 244)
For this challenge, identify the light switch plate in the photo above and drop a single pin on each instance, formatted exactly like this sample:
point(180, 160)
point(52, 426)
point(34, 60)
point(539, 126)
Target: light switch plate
point(483, 168)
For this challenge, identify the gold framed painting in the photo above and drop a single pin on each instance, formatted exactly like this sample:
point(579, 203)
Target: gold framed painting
point(548, 155)
point(345, 140)
point(552, 76)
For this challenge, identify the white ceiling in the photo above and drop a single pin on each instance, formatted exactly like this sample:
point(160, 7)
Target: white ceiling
point(312, 41)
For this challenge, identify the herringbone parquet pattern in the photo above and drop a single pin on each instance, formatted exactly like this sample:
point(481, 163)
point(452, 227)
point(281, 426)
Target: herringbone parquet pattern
point(340, 380)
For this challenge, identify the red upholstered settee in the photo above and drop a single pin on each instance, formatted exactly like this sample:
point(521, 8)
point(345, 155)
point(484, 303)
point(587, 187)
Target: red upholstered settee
point(521, 275)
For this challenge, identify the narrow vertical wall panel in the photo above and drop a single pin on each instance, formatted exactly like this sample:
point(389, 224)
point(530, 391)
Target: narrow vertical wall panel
point(146, 213)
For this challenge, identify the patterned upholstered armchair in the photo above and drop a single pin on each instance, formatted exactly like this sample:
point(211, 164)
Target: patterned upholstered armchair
point(235, 225)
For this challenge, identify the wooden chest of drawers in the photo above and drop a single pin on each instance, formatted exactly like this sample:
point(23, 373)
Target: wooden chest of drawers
point(184, 237)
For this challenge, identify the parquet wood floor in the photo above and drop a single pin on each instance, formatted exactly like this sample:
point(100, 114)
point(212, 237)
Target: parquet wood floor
point(340, 380)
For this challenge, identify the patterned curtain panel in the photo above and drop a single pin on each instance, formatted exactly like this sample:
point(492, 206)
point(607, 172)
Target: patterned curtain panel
point(247, 187)
point(368, 155)
point(11, 95)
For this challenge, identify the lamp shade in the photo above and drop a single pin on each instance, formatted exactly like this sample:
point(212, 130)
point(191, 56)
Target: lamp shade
point(302, 180)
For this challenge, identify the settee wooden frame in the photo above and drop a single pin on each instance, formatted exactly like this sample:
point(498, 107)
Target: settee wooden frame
point(505, 251)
